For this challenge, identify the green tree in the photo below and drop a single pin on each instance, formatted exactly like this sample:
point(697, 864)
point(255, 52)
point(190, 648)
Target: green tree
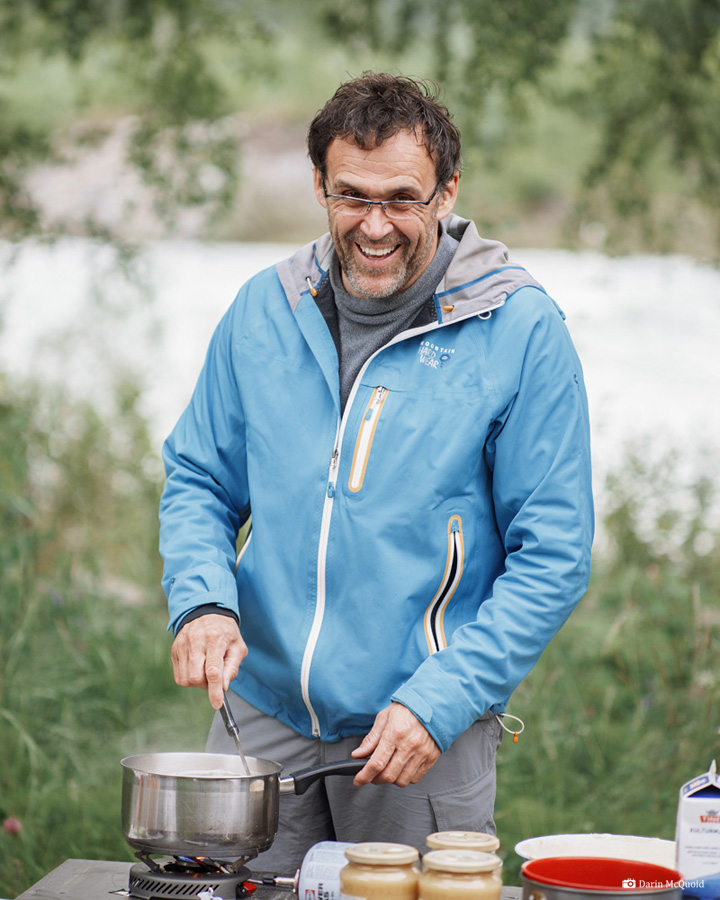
point(164, 49)
point(638, 80)
point(477, 49)
point(643, 79)
point(654, 97)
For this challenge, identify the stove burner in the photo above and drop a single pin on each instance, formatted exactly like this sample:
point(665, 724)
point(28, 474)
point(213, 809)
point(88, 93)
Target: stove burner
point(189, 877)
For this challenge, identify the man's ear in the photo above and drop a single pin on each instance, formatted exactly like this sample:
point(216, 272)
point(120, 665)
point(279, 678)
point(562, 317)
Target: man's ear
point(449, 196)
point(318, 185)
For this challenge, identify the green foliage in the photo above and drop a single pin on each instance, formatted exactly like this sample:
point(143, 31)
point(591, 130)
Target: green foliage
point(69, 26)
point(624, 707)
point(641, 78)
point(20, 146)
point(654, 96)
point(573, 113)
point(162, 55)
point(481, 51)
point(621, 710)
point(85, 675)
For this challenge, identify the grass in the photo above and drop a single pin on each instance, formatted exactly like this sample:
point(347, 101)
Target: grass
point(622, 709)
point(85, 675)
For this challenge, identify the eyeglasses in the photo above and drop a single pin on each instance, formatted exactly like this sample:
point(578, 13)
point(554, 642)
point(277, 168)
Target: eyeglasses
point(348, 204)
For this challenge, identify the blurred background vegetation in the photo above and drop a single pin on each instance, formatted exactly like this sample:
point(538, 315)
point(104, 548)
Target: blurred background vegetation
point(622, 709)
point(587, 123)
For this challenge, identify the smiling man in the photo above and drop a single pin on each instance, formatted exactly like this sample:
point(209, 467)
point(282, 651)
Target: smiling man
point(402, 413)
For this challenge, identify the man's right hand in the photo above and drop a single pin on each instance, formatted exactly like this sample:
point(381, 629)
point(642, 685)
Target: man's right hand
point(207, 653)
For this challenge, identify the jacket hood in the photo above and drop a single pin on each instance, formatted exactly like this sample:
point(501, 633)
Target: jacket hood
point(480, 276)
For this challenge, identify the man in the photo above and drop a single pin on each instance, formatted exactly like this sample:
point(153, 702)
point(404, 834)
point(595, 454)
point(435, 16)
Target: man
point(402, 412)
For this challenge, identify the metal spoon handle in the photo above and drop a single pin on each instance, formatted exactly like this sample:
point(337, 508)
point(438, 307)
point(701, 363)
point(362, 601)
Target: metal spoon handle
point(233, 731)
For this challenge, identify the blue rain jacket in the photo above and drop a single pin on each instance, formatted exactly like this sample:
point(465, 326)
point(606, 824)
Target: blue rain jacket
point(425, 546)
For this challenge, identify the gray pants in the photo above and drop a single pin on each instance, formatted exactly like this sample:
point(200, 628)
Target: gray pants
point(458, 793)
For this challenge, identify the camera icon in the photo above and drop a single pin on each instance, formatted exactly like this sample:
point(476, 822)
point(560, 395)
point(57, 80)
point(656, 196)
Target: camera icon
point(629, 883)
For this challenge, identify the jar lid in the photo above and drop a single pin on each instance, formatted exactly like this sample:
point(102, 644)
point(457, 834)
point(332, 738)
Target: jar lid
point(463, 840)
point(379, 853)
point(461, 861)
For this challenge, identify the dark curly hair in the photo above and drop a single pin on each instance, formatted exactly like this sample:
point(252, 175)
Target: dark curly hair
point(376, 106)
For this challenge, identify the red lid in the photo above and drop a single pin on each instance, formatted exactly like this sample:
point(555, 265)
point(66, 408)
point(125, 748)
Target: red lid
point(595, 873)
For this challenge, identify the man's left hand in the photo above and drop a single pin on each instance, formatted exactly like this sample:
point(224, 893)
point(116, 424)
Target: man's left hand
point(401, 747)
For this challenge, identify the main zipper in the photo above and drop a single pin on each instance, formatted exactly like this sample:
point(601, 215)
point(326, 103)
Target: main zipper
point(320, 591)
point(330, 490)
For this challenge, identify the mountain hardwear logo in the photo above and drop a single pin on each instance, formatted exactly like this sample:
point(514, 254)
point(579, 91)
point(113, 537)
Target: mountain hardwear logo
point(433, 355)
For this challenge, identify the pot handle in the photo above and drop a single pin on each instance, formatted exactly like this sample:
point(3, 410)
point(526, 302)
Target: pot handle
point(300, 781)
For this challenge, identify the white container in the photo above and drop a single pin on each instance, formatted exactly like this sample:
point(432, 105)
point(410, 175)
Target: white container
point(609, 846)
point(319, 874)
point(697, 832)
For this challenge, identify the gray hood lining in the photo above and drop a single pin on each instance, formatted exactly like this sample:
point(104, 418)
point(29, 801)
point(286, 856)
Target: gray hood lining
point(479, 278)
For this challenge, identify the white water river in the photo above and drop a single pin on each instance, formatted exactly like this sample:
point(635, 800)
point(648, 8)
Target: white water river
point(647, 330)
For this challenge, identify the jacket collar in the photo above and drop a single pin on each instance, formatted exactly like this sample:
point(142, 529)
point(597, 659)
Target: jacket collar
point(479, 278)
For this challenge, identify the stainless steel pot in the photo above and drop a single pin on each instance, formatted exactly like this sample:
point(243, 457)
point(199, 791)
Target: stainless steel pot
point(203, 804)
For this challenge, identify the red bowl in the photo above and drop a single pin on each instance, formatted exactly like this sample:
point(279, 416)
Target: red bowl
point(599, 874)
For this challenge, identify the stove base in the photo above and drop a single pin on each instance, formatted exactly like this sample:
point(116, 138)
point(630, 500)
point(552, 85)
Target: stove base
point(159, 884)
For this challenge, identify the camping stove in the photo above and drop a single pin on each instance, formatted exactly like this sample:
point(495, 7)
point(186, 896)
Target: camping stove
point(90, 879)
point(188, 877)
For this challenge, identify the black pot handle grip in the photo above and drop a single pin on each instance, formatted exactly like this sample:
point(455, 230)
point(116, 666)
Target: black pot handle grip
point(300, 781)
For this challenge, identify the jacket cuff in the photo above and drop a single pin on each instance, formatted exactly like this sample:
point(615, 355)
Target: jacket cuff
point(205, 610)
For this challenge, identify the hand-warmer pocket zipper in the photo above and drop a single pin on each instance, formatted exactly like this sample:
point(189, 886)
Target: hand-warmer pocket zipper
point(364, 441)
point(435, 613)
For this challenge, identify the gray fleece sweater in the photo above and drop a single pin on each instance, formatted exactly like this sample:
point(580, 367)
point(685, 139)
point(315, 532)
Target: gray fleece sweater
point(365, 325)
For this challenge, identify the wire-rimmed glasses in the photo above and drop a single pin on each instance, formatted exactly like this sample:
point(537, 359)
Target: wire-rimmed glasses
point(351, 204)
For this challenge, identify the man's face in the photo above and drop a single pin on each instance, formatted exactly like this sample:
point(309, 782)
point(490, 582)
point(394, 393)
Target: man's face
point(380, 256)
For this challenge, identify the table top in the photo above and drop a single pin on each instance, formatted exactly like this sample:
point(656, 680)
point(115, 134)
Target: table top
point(95, 879)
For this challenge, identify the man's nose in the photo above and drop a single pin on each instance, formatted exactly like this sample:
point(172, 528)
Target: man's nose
point(375, 224)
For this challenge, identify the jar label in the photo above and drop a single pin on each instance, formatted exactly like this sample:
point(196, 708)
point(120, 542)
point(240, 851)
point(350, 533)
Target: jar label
point(320, 871)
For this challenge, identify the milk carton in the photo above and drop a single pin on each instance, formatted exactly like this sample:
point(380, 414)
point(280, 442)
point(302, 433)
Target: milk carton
point(698, 835)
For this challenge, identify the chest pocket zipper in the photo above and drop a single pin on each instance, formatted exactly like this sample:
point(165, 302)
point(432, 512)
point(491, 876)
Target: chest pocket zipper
point(365, 437)
point(435, 613)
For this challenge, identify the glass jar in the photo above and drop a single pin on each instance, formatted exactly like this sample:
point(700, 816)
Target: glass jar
point(463, 840)
point(460, 875)
point(380, 871)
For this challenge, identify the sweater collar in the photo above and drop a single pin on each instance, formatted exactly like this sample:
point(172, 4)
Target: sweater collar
point(369, 311)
